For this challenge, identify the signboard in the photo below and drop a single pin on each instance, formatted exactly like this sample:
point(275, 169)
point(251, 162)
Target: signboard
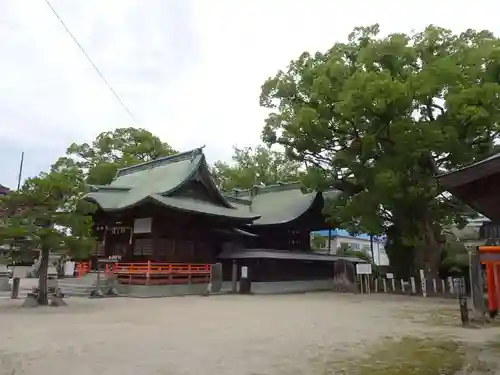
point(364, 269)
point(143, 225)
point(389, 276)
point(244, 272)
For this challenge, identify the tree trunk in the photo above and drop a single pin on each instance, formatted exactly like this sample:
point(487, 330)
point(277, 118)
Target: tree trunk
point(42, 277)
point(425, 251)
point(428, 255)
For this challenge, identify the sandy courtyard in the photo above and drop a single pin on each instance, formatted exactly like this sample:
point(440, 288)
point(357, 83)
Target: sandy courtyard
point(223, 335)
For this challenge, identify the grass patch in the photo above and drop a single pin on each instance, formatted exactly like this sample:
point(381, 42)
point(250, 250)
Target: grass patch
point(448, 317)
point(494, 346)
point(443, 317)
point(415, 356)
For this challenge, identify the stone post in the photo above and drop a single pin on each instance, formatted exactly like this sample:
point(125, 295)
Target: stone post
point(413, 285)
point(384, 285)
point(245, 284)
point(450, 285)
point(16, 282)
point(423, 283)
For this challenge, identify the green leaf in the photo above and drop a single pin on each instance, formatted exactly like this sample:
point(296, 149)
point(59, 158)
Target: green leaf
point(387, 114)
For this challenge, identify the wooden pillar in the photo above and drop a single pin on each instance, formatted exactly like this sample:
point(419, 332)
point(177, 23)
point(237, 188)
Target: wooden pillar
point(496, 279)
point(105, 244)
point(490, 285)
point(130, 247)
point(476, 283)
point(234, 277)
point(329, 240)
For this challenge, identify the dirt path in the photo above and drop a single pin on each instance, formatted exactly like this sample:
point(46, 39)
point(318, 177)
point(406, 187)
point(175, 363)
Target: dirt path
point(224, 335)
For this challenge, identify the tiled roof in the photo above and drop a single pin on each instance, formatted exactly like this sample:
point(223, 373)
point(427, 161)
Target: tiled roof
point(157, 181)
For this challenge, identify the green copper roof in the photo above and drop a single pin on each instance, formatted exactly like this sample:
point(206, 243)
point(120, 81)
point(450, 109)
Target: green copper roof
point(276, 204)
point(157, 181)
point(194, 205)
point(154, 181)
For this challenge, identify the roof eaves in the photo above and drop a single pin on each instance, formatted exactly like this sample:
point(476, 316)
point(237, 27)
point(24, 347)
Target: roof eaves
point(453, 179)
point(189, 176)
point(162, 200)
point(223, 199)
point(313, 197)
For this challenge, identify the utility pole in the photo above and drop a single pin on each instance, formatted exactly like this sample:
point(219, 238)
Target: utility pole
point(19, 177)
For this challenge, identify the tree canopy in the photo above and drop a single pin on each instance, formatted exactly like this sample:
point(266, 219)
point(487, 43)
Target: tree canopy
point(256, 166)
point(47, 213)
point(112, 150)
point(386, 114)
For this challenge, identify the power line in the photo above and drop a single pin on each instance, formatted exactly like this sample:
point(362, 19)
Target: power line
point(91, 62)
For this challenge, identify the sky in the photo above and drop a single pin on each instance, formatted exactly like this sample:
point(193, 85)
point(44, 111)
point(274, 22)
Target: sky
point(190, 71)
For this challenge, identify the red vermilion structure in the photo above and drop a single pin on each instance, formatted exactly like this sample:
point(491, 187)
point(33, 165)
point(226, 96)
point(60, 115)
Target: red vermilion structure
point(490, 258)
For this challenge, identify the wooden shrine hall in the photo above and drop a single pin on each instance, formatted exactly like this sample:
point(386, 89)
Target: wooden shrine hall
point(167, 222)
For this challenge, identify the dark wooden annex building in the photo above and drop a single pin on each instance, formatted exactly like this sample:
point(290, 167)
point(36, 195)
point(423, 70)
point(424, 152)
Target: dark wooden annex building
point(170, 210)
point(477, 186)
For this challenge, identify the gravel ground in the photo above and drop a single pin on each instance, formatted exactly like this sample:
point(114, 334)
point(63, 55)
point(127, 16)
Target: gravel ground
point(223, 335)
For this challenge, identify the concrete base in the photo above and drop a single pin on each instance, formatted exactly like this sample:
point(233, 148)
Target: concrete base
point(4, 284)
point(279, 287)
point(152, 291)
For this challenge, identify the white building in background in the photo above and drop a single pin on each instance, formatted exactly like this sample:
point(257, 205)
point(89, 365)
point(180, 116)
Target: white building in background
point(469, 235)
point(361, 242)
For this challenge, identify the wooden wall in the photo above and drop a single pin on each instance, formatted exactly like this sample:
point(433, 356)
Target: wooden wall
point(175, 236)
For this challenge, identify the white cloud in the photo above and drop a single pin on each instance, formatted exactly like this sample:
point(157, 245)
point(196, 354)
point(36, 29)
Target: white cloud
point(189, 70)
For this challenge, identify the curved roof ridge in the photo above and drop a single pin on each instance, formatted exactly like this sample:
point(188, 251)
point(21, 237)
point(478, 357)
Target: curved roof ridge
point(241, 200)
point(109, 188)
point(240, 193)
point(159, 162)
point(223, 199)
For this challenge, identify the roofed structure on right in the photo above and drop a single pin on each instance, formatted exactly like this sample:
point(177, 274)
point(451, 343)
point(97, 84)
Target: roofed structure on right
point(477, 186)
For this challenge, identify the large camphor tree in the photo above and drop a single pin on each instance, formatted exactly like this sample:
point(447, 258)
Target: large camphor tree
point(386, 115)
